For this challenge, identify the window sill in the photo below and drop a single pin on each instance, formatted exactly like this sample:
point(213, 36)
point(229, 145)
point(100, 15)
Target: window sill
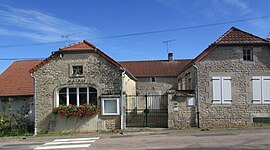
point(77, 76)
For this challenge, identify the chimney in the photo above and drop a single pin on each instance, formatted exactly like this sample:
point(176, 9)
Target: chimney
point(170, 56)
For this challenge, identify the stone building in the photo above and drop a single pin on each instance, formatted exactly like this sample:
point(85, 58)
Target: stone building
point(80, 74)
point(232, 81)
point(227, 85)
point(156, 77)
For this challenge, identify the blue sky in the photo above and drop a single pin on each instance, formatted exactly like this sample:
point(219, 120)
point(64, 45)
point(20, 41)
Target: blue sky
point(40, 23)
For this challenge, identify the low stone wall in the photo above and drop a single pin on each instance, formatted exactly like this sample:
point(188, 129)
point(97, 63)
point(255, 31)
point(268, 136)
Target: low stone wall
point(61, 123)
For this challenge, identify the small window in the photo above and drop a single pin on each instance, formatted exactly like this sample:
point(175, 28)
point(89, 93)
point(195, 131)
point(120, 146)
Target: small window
point(248, 54)
point(77, 70)
point(110, 106)
point(190, 101)
point(153, 79)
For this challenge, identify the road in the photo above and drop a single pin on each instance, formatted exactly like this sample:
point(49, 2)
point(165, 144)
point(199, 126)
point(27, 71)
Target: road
point(247, 139)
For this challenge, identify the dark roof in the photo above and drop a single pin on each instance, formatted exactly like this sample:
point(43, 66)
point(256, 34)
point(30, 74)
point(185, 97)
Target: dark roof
point(16, 80)
point(80, 46)
point(155, 68)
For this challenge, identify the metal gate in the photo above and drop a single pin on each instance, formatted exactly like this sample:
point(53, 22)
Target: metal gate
point(147, 111)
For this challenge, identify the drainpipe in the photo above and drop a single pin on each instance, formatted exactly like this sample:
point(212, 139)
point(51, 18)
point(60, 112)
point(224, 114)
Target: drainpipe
point(197, 94)
point(35, 123)
point(122, 90)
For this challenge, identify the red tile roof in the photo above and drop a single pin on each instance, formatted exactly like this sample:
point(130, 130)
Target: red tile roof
point(80, 46)
point(155, 68)
point(235, 35)
point(16, 80)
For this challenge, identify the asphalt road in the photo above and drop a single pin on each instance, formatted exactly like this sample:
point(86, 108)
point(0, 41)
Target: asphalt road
point(247, 139)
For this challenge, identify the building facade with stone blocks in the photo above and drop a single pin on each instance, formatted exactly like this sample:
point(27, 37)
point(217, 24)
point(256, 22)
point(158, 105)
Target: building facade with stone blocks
point(233, 81)
point(75, 75)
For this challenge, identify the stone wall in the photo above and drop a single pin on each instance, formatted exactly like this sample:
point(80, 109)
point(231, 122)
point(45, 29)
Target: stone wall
point(180, 115)
point(228, 61)
point(161, 86)
point(98, 73)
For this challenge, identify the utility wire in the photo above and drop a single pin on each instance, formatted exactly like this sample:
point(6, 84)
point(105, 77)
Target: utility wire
point(148, 32)
point(12, 59)
point(184, 28)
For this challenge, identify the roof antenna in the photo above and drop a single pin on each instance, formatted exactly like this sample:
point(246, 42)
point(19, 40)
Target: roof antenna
point(167, 44)
point(66, 36)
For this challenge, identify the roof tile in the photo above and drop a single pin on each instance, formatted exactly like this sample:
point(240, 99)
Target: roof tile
point(155, 68)
point(235, 35)
point(16, 80)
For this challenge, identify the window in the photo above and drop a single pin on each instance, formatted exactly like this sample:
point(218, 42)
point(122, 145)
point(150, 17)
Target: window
point(77, 70)
point(261, 89)
point(153, 79)
point(190, 101)
point(222, 90)
point(248, 54)
point(110, 106)
point(77, 96)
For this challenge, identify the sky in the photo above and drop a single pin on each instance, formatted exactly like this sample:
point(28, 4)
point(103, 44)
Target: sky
point(33, 29)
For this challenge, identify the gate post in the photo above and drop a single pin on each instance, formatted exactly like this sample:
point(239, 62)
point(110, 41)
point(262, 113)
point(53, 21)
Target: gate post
point(146, 111)
point(170, 109)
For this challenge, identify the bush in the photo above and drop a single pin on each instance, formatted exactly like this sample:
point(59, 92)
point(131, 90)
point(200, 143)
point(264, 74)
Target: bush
point(12, 124)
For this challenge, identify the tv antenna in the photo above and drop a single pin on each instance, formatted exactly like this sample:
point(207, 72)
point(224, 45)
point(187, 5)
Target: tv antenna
point(167, 44)
point(66, 36)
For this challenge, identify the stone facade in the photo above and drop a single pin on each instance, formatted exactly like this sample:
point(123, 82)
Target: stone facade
point(99, 73)
point(160, 86)
point(180, 115)
point(228, 61)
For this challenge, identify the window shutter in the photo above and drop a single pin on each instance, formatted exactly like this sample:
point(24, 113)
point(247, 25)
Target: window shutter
point(216, 90)
point(226, 90)
point(256, 86)
point(266, 89)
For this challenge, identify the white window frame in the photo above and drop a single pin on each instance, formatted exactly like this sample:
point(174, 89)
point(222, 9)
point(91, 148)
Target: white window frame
point(219, 96)
point(110, 99)
point(77, 95)
point(260, 93)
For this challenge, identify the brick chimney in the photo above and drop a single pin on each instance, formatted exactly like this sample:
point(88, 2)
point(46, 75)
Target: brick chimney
point(170, 56)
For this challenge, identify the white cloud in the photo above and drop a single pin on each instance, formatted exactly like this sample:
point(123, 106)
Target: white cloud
point(238, 4)
point(39, 26)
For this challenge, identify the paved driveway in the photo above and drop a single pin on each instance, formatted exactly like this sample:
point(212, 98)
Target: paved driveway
point(170, 140)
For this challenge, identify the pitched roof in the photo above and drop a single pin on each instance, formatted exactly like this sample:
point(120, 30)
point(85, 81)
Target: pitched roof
point(16, 80)
point(235, 35)
point(84, 45)
point(155, 68)
point(80, 46)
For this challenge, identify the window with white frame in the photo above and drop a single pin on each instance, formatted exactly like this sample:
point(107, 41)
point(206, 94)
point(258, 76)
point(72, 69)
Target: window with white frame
point(76, 96)
point(261, 89)
point(222, 90)
point(110, 106)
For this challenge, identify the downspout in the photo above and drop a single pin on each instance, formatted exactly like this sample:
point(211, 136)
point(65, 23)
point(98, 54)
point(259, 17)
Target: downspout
point(35, 123)
point(122, 90)
point(197, 94)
